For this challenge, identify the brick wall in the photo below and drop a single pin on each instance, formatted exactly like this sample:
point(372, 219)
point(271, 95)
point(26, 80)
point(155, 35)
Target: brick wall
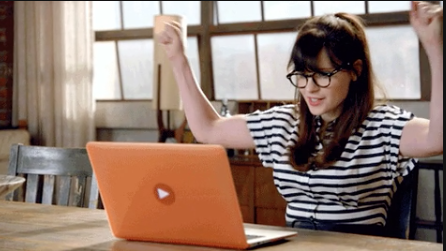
point(6, 56)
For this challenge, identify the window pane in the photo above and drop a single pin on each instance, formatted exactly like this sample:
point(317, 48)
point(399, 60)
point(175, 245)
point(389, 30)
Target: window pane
point(106, 15)
point(328, 7)
point(139, 14)
point(398, 66)
point(192, 54)
point(276, 10)
point(238, 11)
point(136, 61)
point(388, 6)
point(234, 69)
point(190, 10)
point(106, 76)
point(274, 53)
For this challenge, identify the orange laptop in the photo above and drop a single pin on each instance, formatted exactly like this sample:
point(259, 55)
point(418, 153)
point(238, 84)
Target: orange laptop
point(173, 193)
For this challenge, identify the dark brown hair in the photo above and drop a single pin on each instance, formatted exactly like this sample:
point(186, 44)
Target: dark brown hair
point(342, 36)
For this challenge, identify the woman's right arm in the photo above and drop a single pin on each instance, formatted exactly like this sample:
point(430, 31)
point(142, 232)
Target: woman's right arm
point(205, 123)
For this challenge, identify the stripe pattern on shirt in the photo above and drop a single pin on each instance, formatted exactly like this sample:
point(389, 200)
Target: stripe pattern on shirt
point(358, 188)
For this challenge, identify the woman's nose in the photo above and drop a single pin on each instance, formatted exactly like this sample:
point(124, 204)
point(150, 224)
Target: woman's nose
point(311, 85)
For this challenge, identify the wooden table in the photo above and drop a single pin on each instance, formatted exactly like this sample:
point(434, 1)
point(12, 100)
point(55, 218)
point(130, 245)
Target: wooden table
point(27, 226)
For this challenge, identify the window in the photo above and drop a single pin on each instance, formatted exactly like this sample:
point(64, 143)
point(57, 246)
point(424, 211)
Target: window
point(238, 11)
point(397, 66)
point(328, 7)
point(275, 47)
point(272, 50)
point(239, 50)
point(135, 60)
point(106, 15)
point(388, 6)
point(139, 14)
point(234, 67)
point(123, 58)
point(277, 10)
point(106, 83)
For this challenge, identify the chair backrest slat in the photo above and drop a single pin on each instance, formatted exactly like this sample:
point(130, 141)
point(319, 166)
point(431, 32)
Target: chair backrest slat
point(54, 175)
point(64, 190)
point(48, 189)
point(77, 191)
point(31, 188)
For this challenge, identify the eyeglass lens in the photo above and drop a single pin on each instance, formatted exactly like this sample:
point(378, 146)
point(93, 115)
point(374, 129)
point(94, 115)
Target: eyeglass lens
point(301, 80)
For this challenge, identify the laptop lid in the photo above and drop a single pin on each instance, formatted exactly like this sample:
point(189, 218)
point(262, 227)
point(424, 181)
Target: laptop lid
point(171, 193)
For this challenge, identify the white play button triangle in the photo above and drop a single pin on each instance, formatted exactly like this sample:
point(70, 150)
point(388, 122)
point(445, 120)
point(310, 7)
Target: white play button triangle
point(162, 193)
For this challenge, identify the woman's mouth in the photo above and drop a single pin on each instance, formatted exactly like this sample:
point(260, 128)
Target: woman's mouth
point(314, 101)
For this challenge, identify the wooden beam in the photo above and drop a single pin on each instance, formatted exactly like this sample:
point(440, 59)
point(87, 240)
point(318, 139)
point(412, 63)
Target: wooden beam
point(145, 33)
point(204, 48)
point(379, 19)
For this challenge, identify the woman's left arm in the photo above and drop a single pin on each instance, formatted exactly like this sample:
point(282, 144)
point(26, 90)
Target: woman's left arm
point(422, 137)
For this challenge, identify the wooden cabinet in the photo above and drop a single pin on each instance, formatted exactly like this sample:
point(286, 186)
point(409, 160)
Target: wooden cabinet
point(244, 184)
point(260, 202)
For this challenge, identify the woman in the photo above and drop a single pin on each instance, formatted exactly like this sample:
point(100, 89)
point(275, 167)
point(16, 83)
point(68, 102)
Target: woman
point(336, 155)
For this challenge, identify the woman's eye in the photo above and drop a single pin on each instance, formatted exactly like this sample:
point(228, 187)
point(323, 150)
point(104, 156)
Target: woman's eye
point(321, 75)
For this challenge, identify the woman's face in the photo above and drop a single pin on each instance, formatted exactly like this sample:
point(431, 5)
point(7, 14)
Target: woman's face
point(327, 102)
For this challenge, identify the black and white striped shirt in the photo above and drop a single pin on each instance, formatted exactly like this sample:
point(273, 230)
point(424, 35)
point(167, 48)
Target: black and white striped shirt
point(358, 188)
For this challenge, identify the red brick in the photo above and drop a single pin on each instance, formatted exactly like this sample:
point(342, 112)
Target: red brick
point(4, 93)
point(2, 103)
point(3, 82)
point(4, 115)
point(5, 104)
point(6, 51)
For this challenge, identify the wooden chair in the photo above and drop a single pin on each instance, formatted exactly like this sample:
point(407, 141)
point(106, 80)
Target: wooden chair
point(54, 175)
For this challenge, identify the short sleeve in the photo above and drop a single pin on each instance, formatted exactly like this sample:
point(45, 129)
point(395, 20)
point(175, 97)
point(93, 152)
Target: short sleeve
point(393, 119)
point(272, 131)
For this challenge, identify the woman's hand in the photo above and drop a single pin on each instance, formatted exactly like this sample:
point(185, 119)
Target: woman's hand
point(171, 39)
point(427, 20)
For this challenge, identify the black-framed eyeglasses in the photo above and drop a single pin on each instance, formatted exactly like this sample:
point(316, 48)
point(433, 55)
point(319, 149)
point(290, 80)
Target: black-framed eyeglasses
point(322, 79)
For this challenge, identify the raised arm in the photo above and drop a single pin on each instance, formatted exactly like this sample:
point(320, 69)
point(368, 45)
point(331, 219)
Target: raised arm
point(421, 137)
point(205, 123)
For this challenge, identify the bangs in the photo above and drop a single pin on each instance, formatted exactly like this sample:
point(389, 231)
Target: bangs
point(309, 45)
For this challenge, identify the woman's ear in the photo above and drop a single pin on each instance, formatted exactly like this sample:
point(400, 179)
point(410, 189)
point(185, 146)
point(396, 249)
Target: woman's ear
point(357, 69)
